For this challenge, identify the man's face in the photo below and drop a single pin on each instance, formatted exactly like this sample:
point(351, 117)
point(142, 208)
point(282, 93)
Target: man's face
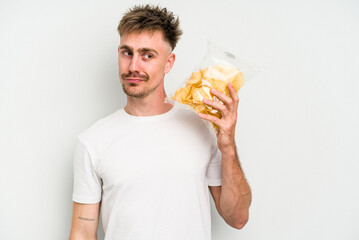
point(144, 58)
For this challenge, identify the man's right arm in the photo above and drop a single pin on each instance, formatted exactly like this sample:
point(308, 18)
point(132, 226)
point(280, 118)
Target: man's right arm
point(84, 221)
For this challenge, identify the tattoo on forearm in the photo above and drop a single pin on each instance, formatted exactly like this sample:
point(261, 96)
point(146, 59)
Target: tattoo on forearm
point(86, 219)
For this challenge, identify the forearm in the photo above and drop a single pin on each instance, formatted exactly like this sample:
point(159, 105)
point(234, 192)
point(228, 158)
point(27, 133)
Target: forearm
point(74, 235)
point(235, 196)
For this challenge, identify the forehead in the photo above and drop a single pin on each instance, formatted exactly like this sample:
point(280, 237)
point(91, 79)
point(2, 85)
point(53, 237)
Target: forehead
point(145, 39)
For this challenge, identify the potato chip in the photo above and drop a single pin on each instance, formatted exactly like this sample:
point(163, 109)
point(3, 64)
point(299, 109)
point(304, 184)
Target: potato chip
point(198, 87)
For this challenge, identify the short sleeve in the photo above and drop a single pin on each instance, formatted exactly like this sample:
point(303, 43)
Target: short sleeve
point(214, 171)
point(87, 183)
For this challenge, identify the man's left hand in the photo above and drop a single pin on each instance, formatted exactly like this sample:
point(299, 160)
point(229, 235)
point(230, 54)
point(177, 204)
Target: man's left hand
point(227, 124)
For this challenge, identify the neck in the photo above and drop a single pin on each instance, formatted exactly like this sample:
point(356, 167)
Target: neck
point(153, 104)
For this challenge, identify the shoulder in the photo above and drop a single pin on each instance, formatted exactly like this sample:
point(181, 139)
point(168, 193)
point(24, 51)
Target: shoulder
point(99, 125)
point(100, 130)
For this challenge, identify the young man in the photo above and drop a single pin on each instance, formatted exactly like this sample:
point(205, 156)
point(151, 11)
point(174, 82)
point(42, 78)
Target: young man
point(151, 165)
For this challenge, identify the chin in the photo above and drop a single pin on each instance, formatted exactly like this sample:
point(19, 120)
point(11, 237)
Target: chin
point(133, 93)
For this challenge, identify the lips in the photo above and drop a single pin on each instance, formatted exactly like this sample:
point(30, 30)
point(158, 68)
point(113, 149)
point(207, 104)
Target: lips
point(133, 80)
point(135, 77)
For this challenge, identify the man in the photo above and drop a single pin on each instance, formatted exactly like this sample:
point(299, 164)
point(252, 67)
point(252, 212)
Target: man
point(151, 165)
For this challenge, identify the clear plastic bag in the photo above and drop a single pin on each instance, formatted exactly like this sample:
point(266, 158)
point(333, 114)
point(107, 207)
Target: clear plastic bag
point(218, 68)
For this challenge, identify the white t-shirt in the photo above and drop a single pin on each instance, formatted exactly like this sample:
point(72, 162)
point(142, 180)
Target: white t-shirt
point(150, 173)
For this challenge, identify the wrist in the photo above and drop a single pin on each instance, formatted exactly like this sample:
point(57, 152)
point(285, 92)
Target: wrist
point(229, 150)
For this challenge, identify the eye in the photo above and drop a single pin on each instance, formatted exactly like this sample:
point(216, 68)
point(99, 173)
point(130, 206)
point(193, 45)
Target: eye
point(148, 56)
point(127, 53)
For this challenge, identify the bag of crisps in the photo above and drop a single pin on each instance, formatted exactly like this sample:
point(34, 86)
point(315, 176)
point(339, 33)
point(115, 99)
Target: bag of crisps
point(218, 68)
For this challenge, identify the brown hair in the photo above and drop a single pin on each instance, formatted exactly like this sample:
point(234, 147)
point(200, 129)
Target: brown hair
point(151, 18)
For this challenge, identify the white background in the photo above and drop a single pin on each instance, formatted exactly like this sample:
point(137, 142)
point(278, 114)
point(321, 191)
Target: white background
point(297, 131)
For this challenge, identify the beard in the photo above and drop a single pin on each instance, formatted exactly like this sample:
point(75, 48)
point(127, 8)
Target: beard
point(130, 88)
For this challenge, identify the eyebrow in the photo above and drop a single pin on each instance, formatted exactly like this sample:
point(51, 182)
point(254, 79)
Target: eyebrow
point(141, 50)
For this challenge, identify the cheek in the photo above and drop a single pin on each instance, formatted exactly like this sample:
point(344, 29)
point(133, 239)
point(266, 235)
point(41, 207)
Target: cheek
point(122, 65)
point(154, 68)
point(161, 67)
point(159, 71)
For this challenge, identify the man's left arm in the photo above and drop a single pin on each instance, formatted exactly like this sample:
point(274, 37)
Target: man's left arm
point(233, 198)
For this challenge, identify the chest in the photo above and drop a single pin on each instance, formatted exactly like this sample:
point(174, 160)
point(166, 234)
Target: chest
point(154, 154)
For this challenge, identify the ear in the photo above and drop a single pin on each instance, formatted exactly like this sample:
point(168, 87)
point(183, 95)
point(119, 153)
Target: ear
point(170, 61)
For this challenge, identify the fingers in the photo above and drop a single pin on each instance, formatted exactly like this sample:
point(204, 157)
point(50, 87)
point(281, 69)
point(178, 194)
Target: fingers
point(228, 109)
point(233, 93)
point(220, 107)
point(227, 123)
point(210, 118)
point(221, 96)
point(232, 101)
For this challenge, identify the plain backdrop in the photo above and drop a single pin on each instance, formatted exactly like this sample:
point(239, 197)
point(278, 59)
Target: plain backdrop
point(297, 131)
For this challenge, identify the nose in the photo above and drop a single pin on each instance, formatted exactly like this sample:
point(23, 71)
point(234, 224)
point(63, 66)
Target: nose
point(135, 64)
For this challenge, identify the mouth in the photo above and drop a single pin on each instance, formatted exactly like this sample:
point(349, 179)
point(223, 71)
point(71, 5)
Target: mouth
point(134, 77)
point(133, 80)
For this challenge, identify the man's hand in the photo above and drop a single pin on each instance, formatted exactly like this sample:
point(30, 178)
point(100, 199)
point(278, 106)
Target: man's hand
point(235, 195)
point(227, 123)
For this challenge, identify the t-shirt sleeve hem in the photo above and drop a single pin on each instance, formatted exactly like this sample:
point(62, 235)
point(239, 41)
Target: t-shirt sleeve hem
point(214, 182)
point(82, 199)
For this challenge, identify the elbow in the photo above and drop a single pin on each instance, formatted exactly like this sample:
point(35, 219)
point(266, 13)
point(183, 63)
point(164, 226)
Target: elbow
point(240, 224)
point(240, 221)
point(237, 217)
